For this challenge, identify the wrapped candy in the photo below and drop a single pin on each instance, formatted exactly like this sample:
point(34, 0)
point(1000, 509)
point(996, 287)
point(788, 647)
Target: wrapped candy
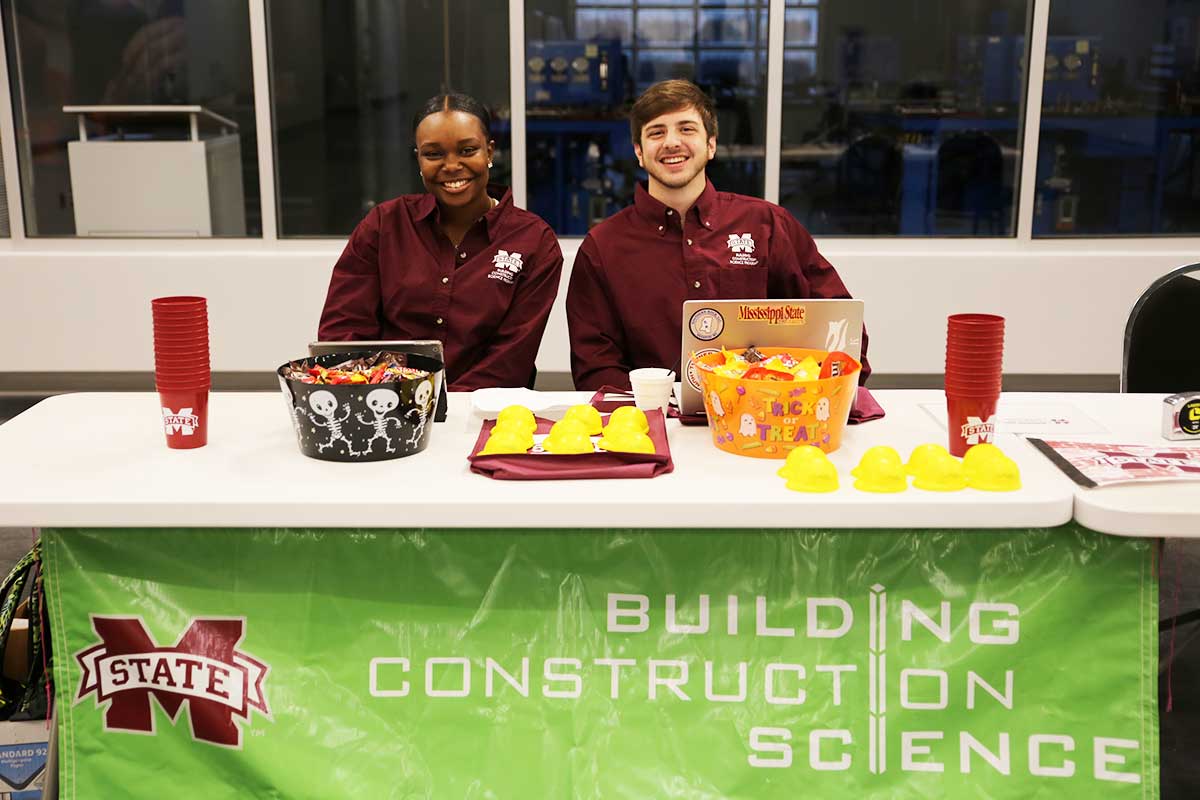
point(382, 367)
point(754, 365)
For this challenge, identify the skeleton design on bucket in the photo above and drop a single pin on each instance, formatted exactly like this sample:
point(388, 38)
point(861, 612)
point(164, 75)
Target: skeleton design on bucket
point(325, 404)
point(422, 398)
point(381, 402)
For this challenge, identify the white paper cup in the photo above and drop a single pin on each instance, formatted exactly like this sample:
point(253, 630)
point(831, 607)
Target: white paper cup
point(651, 373)
point(652, 388)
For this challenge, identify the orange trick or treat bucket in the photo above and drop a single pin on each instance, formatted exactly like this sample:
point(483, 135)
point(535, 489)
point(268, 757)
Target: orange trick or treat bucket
point(764, 402)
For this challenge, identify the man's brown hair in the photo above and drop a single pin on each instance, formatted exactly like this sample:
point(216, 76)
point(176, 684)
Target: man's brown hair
point(667, 96)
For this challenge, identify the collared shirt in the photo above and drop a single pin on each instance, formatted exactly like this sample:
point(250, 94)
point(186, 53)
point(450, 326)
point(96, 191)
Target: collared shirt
point(635, 269)
point(487, 299)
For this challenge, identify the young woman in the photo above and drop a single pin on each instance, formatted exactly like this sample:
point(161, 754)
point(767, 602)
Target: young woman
point(459, 263)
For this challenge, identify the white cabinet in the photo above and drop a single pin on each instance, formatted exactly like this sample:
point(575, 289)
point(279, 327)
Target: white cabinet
point(139, 186)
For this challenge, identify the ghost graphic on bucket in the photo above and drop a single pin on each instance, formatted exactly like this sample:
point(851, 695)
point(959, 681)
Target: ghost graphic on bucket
point(823, 410)
point(715, 399)
point(748, 427)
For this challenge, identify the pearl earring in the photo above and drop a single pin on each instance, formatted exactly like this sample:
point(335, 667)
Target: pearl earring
point(489, 164)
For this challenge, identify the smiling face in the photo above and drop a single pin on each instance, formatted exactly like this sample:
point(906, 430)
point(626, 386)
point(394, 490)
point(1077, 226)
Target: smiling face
point(381, 401)
point(323, 402)
point(675, 148)
point(423, 394)
point(453, 154)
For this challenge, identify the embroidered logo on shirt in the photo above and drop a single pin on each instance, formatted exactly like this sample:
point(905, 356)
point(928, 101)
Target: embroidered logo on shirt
point(741, 245)
point(507, 265)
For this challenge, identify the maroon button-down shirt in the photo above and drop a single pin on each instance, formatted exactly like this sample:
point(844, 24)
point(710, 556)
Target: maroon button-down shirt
point(635, 269)
point(487, 300)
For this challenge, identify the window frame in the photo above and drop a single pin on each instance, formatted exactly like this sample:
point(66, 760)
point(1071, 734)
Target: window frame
point(271, 240)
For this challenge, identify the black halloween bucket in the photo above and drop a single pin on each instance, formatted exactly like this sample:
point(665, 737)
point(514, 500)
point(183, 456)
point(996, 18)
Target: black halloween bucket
point(358, 421)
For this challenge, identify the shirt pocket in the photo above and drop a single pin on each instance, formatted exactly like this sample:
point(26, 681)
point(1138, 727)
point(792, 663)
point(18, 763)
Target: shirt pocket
point(742, 282)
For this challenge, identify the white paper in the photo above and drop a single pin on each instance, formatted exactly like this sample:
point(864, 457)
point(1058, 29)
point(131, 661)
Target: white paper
point(1031, 418)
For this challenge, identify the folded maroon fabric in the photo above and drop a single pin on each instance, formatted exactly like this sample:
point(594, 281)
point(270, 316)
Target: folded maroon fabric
point(865, 408)
point(622, 397)
point(550, 467)
point(609, 398)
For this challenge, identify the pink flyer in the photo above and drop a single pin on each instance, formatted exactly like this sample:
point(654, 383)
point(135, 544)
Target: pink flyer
point(1091, 464)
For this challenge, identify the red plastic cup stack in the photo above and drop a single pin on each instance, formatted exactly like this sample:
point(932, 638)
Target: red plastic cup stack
point(181, 368)
point(974, 364)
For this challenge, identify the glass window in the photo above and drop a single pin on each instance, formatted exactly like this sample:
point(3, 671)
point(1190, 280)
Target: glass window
point(903, 117)
point(1119, 148)
point(346, 81)
point(587, 61)
point(161, 141)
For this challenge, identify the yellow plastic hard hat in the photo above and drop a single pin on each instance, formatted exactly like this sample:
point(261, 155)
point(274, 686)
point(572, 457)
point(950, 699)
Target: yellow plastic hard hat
point(940, 472)
point(506, 441)
point(518, 415)
point(921, 453)
point(588, 415)
point(568, 441)
point(629, 416)
point(814, 475)
point(880, 470)
point(514, 428)
point(988, 468)
point(564, 426)
point(800, 455)
point(626, 440)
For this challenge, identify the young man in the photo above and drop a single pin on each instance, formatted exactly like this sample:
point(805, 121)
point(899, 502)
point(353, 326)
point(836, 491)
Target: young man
point(635, 269)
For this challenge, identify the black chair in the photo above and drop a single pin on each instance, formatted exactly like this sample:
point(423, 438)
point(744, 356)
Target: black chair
point(1162, 356)
point(970, 185)
point(1162, 350)
point(867, 199)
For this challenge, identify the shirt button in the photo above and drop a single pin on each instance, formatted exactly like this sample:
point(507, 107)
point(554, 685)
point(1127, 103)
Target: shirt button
point(669, 212)
point(439, 320)
point(660, 227)
point(445, 280)
point(707, 224)
point(462, 255)
point(689, 241)
point(696, 284)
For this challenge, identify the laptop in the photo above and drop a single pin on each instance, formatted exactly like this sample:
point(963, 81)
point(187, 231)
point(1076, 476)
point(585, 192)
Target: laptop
point(425, 347)
point(709, 325)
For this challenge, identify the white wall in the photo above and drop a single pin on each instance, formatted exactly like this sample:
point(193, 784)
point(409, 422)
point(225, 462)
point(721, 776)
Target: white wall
point(77, 305)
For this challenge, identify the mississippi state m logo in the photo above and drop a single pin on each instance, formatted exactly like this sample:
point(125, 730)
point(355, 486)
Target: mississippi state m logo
point(202, 669)
point(510, 260)
point(977, 430)
point(741, 249)
point(741, 243)
point(505, 266)
point(183, 421)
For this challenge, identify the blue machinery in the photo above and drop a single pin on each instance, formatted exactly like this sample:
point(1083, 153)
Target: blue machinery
point(1102, 167)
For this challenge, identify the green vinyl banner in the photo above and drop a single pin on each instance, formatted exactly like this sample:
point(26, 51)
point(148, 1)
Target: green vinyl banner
point(751, 664)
